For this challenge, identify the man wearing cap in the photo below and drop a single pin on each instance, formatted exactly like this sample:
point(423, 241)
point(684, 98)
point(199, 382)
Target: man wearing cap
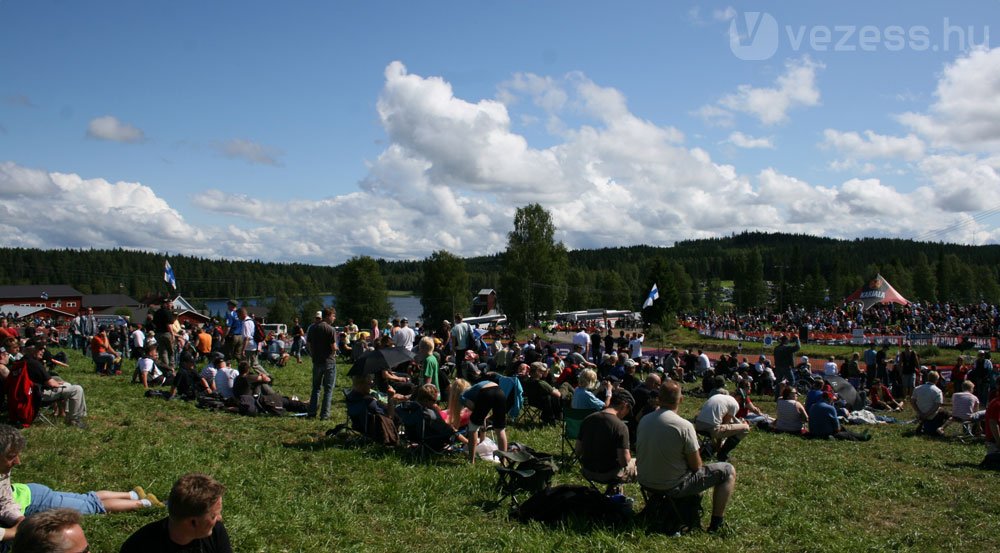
point(53, 389)
point(669, 460)
point(322, 341)
point(234, 338)
point(603, 444)
point(404, 335)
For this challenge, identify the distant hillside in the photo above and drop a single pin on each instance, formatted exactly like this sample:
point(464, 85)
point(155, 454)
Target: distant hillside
point(799, 268)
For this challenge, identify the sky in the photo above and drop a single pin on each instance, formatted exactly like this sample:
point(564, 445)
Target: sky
point(313, 131)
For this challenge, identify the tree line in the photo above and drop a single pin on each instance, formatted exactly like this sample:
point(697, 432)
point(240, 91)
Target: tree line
point(536, 274)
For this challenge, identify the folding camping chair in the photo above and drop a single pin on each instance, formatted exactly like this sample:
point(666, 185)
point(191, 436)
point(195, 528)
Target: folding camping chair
point(522, 472)
point(572, 420)
point(671, 515)
point(422, 434)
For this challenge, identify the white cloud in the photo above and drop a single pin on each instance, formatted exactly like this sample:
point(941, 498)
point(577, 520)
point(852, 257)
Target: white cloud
point(873, 145)
point(715, 116)
point(65, 210)
point(453, 171)
point(966, 113)
point(249, 151)
point(740, 140)
point(963, 182)
point(110, 128)
point(724, 15)
point(796, 87)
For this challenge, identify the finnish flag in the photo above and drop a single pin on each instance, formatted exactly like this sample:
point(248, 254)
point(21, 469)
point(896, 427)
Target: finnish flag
point(168, 274)
point(654, 294)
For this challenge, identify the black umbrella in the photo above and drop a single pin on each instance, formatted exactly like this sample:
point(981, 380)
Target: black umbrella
point(846, 391)
point(379, 360)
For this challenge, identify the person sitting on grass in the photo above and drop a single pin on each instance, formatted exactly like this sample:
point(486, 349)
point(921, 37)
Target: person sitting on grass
point(603, 444)
point(104, 355)
point(194, 521)
point(54, 389)
point(437, 431)
point(147, 372)
point(669, 461)
point(276, 352)
point(542, 395)
point(583, 395)
point(225, 377)
point(965, 406)
point(879, 397)
point(747, 408)
point(188, 384)
point(926, 401)
point(824, 422)
point(717, 419)
point(791, 415)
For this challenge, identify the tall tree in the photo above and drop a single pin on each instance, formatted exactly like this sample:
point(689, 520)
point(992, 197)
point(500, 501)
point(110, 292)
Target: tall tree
point(281, 310)
point(924, 279)
point(361, 293)
point(533, 279)
point(445, 289)
point(749, 287)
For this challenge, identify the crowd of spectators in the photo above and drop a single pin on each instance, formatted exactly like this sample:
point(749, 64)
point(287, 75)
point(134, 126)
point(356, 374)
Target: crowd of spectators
point(980, 320)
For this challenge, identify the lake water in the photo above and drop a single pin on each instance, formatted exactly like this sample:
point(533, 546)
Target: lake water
point(404, 306)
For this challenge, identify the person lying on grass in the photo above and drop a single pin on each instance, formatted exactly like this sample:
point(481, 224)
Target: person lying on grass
point(20, 500)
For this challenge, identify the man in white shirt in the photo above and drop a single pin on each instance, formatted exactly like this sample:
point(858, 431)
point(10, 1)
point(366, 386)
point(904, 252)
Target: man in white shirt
point(926, 401)
point(830, 367)
point(582, 339)
point(717, 418)
point(404, 335)
point(137, 342)
point(704, 363)
point(225, 376)
point(635, 344)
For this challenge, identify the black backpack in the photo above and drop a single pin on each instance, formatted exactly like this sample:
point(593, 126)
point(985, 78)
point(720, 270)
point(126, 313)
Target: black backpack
point(258, 333)
point(559, 503)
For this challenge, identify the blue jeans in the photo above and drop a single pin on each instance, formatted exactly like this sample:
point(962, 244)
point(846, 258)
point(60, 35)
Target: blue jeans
point(325, 376)
point(104, 362)
point(44, 498)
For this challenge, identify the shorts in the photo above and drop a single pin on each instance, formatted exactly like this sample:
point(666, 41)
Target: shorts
point(705, 478)
point(487, 400)
point(44, 498)
point(909, 380)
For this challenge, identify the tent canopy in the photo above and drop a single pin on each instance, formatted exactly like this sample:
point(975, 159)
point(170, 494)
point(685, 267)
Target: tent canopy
point(876, 290)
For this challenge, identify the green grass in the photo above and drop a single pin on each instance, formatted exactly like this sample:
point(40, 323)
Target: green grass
point(289, 490)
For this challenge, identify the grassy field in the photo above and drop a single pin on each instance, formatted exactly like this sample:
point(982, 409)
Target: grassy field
point(290, 490)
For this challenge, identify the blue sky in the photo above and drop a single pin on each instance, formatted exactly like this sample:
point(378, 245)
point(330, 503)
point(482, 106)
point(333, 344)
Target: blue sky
point(314, 131)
